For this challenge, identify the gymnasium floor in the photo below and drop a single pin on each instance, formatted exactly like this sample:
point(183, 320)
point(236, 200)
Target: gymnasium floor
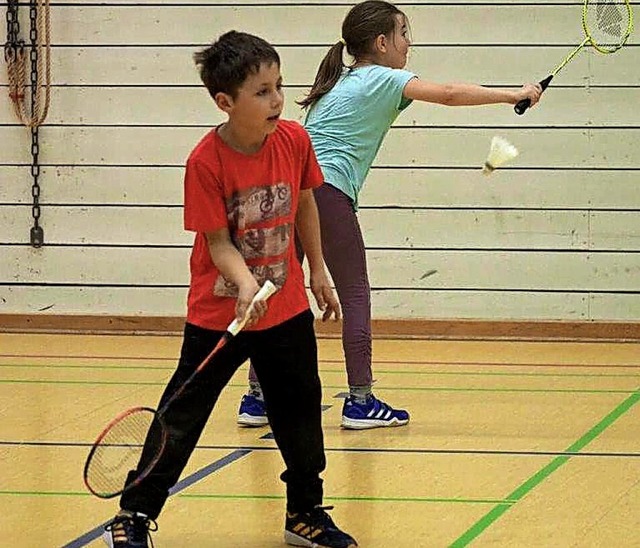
point(510, 444)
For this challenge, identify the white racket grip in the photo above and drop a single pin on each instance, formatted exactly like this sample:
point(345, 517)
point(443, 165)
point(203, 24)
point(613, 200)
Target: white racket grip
point(263, 294)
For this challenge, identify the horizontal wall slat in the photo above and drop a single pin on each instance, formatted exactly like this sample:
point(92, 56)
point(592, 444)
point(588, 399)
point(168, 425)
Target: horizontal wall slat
point(385, 304)
point(408, 269)
point(615, 230)
point(483, 64)
point(384, 187)
point(312, 24)
point(193, 106)
point(390, 228)
point(566, 148)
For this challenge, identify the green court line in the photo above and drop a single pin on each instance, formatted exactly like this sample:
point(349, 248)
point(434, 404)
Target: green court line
point(483, 523)
point(92, 367)
point(274, 497)
point(341, 387)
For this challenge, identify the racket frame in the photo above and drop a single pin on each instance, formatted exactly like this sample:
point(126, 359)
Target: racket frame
point(97, 444)
point(522, 106)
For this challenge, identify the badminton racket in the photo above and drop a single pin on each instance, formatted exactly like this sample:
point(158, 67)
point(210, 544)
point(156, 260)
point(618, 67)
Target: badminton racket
point(119, 447)
point(607, 25)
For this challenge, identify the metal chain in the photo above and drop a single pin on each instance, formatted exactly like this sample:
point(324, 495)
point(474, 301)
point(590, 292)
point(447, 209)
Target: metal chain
point(37, 234)
point(13, 44)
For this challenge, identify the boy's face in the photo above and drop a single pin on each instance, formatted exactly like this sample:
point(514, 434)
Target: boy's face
point(259, 101)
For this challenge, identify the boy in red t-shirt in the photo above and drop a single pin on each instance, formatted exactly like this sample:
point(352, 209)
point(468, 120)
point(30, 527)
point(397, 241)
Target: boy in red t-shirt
point(248, 192)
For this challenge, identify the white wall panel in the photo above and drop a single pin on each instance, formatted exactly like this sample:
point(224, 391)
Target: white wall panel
point(390, 304)
point(407, 269)
point(432, 24)
point(559, 227)
point(391, 228)
point(431, 147)
point(618, 230)
point(175, 106)
point(485, 64)
point(522, 188)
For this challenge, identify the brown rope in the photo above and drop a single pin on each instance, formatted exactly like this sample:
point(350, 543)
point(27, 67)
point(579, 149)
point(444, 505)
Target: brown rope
point(17, 73)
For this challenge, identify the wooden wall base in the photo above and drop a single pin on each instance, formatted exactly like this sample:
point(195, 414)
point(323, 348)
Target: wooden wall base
point(391, 329)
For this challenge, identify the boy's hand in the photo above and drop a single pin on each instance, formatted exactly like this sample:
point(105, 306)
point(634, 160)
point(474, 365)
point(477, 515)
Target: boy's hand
point(246, 293)
point(325, 297)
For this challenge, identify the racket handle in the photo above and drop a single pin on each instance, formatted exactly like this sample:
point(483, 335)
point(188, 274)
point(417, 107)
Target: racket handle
point(522, 106)
point(263, 294)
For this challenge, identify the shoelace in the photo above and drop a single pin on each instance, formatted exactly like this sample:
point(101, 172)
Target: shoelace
point(136, 527)
point(320, 517)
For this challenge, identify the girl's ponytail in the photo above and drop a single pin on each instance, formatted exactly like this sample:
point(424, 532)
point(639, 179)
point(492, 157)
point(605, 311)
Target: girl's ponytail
point(329, 72)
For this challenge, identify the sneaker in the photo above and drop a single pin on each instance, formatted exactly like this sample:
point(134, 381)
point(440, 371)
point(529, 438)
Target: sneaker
point(129, 530)
point(372, 414)
point(252, 412)
point(315, 529)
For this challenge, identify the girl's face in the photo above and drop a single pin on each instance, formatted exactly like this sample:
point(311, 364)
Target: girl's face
point(398, 44)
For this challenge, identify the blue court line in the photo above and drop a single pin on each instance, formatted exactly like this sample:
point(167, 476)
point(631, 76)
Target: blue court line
point(181, 485)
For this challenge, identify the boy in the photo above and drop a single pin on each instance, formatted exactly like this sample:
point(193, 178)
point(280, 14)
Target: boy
point(248, 182)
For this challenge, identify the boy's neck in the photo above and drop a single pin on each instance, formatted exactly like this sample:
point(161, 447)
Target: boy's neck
point(246, 142)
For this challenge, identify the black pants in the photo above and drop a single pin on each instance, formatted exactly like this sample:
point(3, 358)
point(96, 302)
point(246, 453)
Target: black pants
point(285, 359)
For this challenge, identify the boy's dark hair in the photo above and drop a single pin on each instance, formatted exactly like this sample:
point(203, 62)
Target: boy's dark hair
point(225, 65)
point(362, 25)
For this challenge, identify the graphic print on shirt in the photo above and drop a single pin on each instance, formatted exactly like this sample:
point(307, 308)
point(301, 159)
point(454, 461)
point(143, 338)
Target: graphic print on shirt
point(261, 228)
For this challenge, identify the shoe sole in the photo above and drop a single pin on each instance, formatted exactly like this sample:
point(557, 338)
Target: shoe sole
point(295, 540)
point(251, 421)
point(365, 424)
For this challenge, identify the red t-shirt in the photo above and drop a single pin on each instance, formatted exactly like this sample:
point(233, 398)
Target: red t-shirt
point(256, 197)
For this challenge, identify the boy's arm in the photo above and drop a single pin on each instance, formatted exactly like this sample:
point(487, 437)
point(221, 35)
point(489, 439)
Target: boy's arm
point(229, 261)
point(468, 94)
point(308, 230)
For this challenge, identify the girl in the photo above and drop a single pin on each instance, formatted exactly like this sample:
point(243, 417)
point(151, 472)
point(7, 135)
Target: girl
point(350, 110)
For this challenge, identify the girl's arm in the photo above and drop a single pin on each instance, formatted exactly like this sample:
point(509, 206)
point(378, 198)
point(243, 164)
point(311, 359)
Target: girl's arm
point(308, 230)
point(231, 264)
point(456, 95)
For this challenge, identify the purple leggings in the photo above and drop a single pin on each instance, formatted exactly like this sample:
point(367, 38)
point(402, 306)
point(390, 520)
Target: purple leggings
point(344, 254)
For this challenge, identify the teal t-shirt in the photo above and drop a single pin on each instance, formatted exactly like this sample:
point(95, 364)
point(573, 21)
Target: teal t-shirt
point(348, 124)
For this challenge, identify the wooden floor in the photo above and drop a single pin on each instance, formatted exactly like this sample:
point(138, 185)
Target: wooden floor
point(510, 444)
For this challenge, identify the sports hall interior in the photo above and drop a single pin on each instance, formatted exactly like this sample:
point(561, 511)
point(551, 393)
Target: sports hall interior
point(506, 309)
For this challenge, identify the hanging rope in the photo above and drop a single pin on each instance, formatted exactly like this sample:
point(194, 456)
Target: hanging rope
point(39, 78)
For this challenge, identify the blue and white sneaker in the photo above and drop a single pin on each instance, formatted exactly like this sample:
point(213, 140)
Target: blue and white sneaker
point(252, 412)
point(372, 414)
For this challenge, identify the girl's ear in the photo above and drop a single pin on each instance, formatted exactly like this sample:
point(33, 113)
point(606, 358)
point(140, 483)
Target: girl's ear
point(381, 43)
point(224, 101)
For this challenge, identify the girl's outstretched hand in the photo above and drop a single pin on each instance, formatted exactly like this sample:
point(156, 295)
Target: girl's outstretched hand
point(324, 295)
point(531, 92)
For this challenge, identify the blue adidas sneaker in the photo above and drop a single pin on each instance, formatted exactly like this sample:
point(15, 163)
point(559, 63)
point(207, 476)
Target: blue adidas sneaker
point(374, 413)
point(252, 412)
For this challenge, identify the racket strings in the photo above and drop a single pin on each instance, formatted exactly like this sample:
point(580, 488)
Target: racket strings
point(608, 23)
point(118, 452)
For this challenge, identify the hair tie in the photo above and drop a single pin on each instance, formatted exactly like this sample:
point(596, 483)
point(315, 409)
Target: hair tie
point(343, 42)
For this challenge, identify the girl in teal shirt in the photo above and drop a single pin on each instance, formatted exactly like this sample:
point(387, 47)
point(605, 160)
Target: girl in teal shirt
point(350, 110)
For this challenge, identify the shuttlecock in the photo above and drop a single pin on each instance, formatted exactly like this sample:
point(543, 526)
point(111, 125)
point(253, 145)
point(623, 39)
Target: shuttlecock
point(500, 153)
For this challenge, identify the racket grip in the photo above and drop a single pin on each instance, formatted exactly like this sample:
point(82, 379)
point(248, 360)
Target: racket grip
point(522, 106)
point(263, 293)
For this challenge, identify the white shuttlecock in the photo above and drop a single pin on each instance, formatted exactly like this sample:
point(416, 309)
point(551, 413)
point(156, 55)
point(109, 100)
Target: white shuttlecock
point(500, 153)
